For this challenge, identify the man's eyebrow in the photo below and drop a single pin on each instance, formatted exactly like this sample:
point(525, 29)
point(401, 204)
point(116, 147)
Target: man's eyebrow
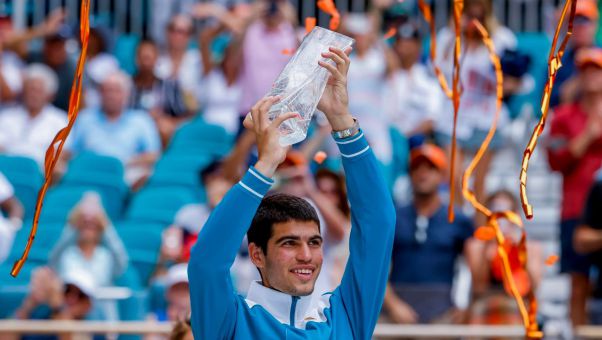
point(288, 237)
point(316, 237)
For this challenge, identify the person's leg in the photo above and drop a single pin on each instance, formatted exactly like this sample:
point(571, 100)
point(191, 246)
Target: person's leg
point(579, 294)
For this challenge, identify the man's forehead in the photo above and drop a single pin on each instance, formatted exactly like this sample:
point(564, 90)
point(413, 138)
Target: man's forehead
point(295, 228)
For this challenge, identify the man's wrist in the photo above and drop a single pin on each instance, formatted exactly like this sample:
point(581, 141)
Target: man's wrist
point(266, 168)
point(341, 122)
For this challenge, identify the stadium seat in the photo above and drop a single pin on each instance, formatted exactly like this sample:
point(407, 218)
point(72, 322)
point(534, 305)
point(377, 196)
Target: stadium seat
point(125, 51)
point(144, 262)
point(25, 176)
point(198, 137)
point(59, 202)
point(88, 162)
point(141, 238)
point(159, 204)
point(12, 297)
point(46, 237)
point(113, 189)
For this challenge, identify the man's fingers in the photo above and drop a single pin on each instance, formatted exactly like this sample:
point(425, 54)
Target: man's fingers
point(264, 107)
point(332, 69)
point(248, 123)
point(280, 119)
point(344, 55)
point(334, 57)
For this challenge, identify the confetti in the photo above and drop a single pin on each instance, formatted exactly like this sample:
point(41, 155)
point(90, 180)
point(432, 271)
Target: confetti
point(551, 260)
point(511, 259)
point(390, 33)
point(310, 23)
point(554, 64)
point(52, 156)
point(328, 7)
point(320, 157)
point(484, 233)
point(287, 51)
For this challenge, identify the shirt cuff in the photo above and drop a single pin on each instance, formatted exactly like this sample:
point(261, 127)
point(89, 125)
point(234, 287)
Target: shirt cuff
point(256, 183)
point(352, 146)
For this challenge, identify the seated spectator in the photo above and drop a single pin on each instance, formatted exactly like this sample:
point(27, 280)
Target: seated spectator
point(492, 303)
point(411, 103)
point(51, 298)
point(426, 247)
point(177, 296)
point(99, 64)
point(28, 129)
point(575, 151)
point(90, 244)
point(588, 241)
point(113, 130)
point(9, 225)
point(55, 55)
point(180, 63)
point(162, 98)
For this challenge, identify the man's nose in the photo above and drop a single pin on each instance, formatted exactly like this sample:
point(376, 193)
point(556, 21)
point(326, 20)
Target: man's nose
point(304, 253)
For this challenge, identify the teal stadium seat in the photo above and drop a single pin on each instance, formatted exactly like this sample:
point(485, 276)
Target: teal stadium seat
point(198, 137)
point(26, 178)
point(59, 202)
point(159, 205)
point(46, 237)
point(125, 52)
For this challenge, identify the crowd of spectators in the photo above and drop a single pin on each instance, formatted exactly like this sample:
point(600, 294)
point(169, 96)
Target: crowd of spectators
point(207, 65)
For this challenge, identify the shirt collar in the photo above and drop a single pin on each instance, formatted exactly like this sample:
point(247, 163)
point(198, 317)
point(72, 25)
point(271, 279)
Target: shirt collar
point(279, 304)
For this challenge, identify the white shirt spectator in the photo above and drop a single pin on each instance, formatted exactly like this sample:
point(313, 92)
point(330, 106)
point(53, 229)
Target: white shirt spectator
point(97, 69)
point(7, 231)
point(30, 137)
point(189, 73)
point(477, 106)
point(220, 101)
point(410, 99)
point(11, 71)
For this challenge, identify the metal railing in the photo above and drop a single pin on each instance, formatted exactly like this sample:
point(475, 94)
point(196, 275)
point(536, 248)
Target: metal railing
point(141, 16)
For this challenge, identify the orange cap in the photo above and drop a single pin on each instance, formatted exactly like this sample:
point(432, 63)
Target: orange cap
point(431, 153)
point(587, 8)
point(589, 56)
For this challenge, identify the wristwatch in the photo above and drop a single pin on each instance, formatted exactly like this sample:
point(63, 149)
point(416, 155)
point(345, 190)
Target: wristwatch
point(352, 131)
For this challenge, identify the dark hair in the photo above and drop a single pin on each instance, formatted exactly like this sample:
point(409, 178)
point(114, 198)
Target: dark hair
point(339, 180)
point(278, 208)
point(212, 169)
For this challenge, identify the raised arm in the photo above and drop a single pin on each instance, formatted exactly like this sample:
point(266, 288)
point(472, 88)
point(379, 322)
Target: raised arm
point(212, 294)
point(372, 212)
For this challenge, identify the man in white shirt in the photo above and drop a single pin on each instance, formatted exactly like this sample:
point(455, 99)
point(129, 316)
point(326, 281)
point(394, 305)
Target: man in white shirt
point(28, 129)
point(10, 224)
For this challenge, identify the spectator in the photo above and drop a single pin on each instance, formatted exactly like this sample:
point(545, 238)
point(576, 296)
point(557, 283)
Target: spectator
point(575, 150)
point(371, 63)
point(478, 79)
point(425, 239)
point(162, 98)
point(54, 54)
point(177, 295)
point(492, 303)
point(412, 105)
point(180, 63)
point(90, 244)
point(584, 35)
point(220, 90)
point(51, 298)
point(100, 64)
point(9, 225)
point(28, 129)
point(588, 241)
point(269, 31)
point(113, 130)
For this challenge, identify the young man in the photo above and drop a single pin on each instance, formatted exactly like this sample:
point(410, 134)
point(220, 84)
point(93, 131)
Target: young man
point(285, 242)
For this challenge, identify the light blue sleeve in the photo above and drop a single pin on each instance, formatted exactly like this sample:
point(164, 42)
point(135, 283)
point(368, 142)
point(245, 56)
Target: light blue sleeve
point(149, 138)
point(212, 295)
point(363, 284)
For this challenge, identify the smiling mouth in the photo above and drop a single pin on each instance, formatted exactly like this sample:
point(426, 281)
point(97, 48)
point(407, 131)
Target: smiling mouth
point(303, 274)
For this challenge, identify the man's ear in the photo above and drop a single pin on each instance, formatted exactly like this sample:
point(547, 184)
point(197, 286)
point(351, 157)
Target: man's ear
point(257, 256)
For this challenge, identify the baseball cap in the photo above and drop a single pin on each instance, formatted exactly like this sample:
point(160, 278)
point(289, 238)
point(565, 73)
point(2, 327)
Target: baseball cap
point(176, 274)
point(431, 153)
point(587, 8)
point(589, 56)
point(82, 280)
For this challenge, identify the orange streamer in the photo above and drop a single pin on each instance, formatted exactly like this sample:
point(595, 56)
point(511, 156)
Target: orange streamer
point(328, 7)
point(454, 93)
point(310, 23)
point(551, 260)
point(287, 51)
point(52, 156)
point(554, 64)
point(513, 281)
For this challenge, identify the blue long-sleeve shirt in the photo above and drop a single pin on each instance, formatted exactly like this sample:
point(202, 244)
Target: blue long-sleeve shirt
point(350, 312)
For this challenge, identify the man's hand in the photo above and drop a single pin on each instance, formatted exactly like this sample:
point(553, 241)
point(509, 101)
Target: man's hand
point(402, 313)
point(267, 135)
point(335, 100)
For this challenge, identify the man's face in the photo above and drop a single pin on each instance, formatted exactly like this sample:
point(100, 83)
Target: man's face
point(76, 302)
point(408, 50)
point(294, 257)
point(584, 32)
point(55, 53)
point(591, 87)
point(35, 94)
point(178, 301)
point(114, 95)
point(425, 177)
point(146, 58)
point(179, 32)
